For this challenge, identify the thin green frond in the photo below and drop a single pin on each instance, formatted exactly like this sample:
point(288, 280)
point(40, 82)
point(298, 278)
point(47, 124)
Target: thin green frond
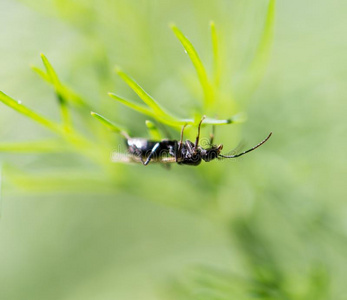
point(267, 36)
point(65, 114)
point(153, 131)
point(74, 97)
point(165, 119)
point(52, 78)
point(145, 97)
point(110, 125)
point(72, 137)
point(155, 111)
point(42, 74)
point(239, 118)
point(140, 108)
point(169, 119)
point(261, 58)
point(59, 91)
point(198, 65)
point(16, 105)
point(50, 71)
point(215, 51)
point(79, 143)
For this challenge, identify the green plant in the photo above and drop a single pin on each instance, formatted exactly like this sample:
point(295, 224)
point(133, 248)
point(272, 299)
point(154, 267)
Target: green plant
point(74, 140)
point(96, 146)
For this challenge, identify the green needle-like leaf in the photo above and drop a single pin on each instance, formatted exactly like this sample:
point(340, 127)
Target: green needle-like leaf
point(198, 65)
point(154, 110)
point(215, 50)
point(260, 60)
point(59, 90)
point(50, 71)
point(42, 74)
point(168, 119)
point(79, 142)
point(52, 78)
point(16, 105)
point(145, 97)
point(74, 97)
point(239, 118)
point(140, 108)
point(163, 118)
point(65, 115)
point(110, 125)
point(267, 36)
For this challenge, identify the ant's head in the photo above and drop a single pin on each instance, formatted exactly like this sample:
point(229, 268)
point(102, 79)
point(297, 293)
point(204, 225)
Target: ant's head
point(211, 153)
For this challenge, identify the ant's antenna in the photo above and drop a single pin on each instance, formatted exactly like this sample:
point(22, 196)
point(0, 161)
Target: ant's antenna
point(249, 150)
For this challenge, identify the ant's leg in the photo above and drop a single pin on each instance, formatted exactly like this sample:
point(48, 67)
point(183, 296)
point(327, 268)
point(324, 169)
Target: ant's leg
point(176, 154)
point(125, 134)
point(137, 152)
point(166, 166)
point(212, 135)
point(181, 139)
point(198, 136)
point(178, 148)
point(155, 147)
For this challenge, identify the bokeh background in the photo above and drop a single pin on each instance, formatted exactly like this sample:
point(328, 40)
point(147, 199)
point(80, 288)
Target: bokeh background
point(271, 225)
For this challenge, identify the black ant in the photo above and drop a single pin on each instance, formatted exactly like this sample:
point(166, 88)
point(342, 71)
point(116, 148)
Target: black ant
point(183, 153)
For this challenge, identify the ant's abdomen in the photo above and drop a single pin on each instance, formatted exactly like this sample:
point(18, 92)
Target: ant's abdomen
point(136, 145)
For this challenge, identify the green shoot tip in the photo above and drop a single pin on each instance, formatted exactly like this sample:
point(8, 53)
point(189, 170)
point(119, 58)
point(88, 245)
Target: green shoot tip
point(117, 69)
point(172, 25)
point(149, 123)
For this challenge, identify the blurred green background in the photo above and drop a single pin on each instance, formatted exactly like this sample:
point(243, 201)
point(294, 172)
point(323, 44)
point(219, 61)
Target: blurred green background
point(271, 225)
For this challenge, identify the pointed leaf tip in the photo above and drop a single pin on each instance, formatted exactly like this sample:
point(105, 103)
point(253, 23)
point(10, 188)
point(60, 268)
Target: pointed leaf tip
point(149, 124)
point(43, 57)
point(117, 69)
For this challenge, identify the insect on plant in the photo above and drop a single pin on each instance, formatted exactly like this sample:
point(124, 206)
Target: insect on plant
point(155, 149)
point(166, 151)
point(173, 151)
